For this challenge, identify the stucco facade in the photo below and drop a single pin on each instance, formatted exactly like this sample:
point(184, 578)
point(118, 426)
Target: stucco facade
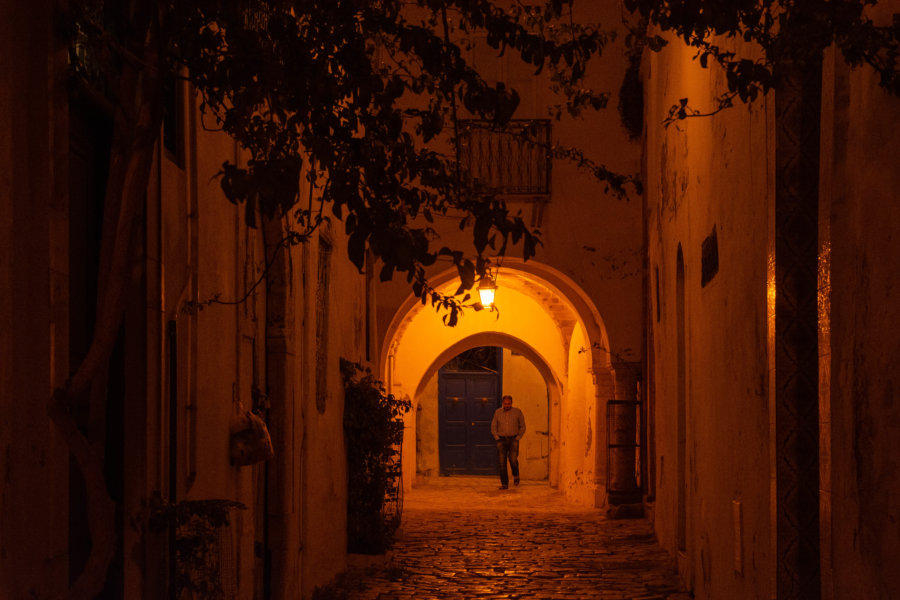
point(200, 345)
point(859, 219)
point(712, 381)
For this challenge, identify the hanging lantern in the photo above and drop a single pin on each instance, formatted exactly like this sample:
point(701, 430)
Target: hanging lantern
point(486, 288)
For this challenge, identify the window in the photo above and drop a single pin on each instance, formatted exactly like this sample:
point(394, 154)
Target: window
point(482, 358)
point(709, 258)
point(514, 160)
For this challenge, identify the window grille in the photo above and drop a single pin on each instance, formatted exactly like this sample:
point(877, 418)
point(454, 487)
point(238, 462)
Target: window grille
point(514, 160)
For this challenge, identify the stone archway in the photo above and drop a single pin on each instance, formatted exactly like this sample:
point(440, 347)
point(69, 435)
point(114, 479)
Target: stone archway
point(425, 409)
point(547, 317)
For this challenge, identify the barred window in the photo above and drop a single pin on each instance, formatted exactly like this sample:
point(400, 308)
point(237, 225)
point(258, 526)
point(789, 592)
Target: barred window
point(514, 160)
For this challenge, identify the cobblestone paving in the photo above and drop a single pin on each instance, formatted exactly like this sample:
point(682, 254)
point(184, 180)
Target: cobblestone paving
point(462, 538)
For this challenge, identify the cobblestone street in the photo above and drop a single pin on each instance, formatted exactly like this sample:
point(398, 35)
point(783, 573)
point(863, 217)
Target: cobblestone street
point(463, 538)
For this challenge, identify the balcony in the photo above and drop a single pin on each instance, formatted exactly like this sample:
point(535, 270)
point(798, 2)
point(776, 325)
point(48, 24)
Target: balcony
point(513, 162)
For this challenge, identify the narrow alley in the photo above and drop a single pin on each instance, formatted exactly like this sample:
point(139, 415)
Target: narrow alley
point(463, 538)
point(267, 266)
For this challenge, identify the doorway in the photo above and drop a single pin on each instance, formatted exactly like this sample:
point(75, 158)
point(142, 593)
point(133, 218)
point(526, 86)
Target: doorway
point(468, 395)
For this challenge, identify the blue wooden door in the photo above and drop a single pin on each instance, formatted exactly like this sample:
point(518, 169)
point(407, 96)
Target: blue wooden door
point(467, 402)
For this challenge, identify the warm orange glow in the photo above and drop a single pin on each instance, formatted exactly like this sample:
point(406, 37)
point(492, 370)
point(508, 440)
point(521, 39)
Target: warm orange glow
point(824, 295)
point(770, 298)
point(486, 290)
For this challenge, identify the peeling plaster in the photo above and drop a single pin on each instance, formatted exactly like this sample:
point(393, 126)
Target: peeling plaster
point(590, 437)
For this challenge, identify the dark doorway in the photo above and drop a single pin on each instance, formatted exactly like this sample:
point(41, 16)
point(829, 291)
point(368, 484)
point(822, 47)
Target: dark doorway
point(468, 395)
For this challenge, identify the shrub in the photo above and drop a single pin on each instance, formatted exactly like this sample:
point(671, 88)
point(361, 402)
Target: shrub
point(373, 428)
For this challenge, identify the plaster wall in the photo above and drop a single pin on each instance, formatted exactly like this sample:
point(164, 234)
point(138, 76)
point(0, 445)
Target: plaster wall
point(704, 176)
point(524, 383)
point(717, 172)
point(588, 234)
point(861, 427)
point(413, 338)
point(33, 321)
point(175, 192)
point(324, 469)
point(427, 431)
point(423, 338)
point(578, 435)
point(207, 251)
point(218, 343)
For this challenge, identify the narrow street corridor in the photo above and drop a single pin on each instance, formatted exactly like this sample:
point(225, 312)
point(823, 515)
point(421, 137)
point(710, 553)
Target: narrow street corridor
point(463, 538)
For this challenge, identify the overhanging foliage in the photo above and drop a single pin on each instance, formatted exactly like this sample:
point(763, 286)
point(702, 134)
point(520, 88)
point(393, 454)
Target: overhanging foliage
point(783, 31)
point(345, 108)
point(348, 109)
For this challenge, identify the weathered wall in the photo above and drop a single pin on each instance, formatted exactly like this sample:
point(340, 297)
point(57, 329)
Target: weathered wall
point(426, 431)
point(705, 176)
point(527, 324)
point(218, 353)
point(716, 172)
point(33, 298)
point(324, 468)
point(588, 234)
point(203, 249)
point(198, 249)
point(860, 182)
point(524, 383)
point(578, 433)
point(522, 317)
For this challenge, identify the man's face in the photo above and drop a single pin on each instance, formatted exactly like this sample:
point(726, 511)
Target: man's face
point(507, 403)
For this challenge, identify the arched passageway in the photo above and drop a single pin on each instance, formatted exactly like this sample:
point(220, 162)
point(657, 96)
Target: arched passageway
point(515, 370)
point(547, 320)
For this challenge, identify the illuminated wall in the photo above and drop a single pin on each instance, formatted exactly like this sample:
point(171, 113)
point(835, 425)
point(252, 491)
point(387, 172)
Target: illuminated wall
point(524, 383)
point(711, 183)
point(580, 438)
point(708, 183)
point(539, 326)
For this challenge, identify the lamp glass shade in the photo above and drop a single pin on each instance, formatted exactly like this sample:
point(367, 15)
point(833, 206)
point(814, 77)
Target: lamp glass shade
point(486, 290)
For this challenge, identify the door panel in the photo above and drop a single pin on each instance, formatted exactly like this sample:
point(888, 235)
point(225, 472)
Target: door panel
point(467, 402)
point(482, 448)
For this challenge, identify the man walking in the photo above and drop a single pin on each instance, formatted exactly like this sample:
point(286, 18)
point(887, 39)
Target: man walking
point(508, 427)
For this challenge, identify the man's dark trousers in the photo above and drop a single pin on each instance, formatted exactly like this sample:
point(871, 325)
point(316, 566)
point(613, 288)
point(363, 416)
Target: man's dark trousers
point(508, 449)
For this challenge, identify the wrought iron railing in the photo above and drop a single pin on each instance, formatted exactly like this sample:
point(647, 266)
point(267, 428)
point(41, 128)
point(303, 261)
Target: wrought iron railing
point(513, 160)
